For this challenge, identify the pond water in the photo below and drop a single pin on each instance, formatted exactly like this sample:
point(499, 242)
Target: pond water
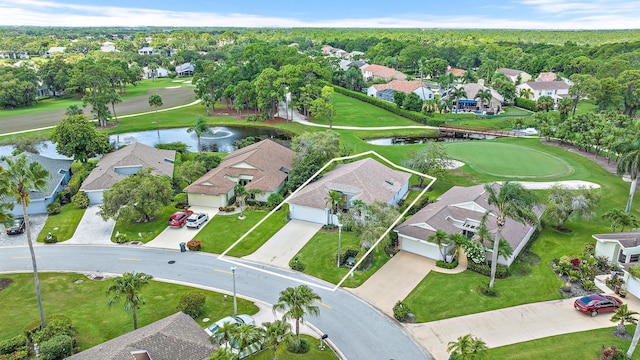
point(221, 139)
point(422, 140)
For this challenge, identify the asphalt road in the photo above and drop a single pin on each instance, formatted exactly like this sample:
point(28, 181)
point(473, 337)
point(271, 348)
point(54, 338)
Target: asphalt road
point(170, 98)
point(355, 327)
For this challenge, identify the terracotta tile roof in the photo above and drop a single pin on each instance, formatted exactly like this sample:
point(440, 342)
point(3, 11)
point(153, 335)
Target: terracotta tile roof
point(457, 72)
point(457, 206)
point(136, 154)
point(546, 76)
point(367, 179)
point(383, 71)
point(548, 85)
point(175, 337)
point(267, 162)
point(509, 72)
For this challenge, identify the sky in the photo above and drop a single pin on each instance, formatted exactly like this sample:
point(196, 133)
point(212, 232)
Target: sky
point(491, 14)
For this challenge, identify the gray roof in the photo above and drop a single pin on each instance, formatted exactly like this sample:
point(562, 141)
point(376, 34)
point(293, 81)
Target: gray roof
point(56, 168)
point(175, 337)
point(367, 179)
point(626, 239)
point(472, 90)
point(510, 72)
point(136, 154)
point(548, 85)
point(184, 67)
point(460, 206)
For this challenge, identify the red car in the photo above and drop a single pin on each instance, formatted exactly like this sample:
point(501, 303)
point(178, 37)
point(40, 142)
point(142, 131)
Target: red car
point(597, 303)
point(179, 219)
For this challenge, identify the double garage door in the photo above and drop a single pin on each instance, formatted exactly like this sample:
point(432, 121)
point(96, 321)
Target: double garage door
point(419, 247)
point(305, 213)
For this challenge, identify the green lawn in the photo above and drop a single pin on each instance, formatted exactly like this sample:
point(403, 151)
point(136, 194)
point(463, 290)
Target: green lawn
point(314, 352)
point(85, 302)
point(144, 232)
point(64, 224)
point(575, 346)
point(223, 230)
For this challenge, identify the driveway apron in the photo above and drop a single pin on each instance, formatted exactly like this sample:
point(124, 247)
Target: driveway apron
point(285, 244)
point(395, 280)
point(170, 238)
point(92, 229)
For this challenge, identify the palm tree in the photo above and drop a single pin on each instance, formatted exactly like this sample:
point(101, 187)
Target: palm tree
point(624, 315)
point(511, 201)
point(440, 238)
point(484, 96)
point(155, 101)
point(20, 178)
point(483, 232)
point(224, 333)
point(526, 93)
point(200, 128)
point(241, 196)
point(296, 303)
point(127, 288)
point(467, 347)
point(208, 102)
point(114, 98)
point(275, 333)
point(458, 240)
point(457, 94)
point(223, 353)
point(73, 110)
point(334, 199)
point(629, 162)
point(246, 337)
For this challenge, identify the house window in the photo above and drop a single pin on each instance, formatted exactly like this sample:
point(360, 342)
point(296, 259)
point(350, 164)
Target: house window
point(634, 258)
point(622, 258)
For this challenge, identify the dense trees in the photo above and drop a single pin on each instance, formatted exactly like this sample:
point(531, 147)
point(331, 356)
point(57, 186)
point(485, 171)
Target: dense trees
point(77, 138)
point(313, 151)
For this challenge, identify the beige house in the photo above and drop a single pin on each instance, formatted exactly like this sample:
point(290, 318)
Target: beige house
point(126, 161)
point(374, 72)
point(262, 166)
point(366, 180)
point(460, 210)
point(513, 75)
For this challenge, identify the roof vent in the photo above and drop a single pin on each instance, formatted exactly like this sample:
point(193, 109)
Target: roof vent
point(389, 182)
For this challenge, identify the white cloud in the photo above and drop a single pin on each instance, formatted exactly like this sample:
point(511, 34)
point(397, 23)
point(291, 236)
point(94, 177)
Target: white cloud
point(48, 13)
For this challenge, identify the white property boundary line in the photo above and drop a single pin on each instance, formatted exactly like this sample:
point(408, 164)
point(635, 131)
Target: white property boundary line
point(370, 152)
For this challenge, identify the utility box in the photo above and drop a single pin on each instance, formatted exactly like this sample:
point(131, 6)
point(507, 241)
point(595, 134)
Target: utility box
point(183, 247)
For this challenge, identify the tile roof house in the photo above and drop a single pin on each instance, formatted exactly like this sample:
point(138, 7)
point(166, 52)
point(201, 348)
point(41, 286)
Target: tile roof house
point(557, 89)
point(456, 72)
point(60, 173)
point(547, 76)
point(263, 166)
point(460, 210)
point(175, 337)
point(373, 72)
point(366, 180)
point(514, 74)
point(423, 90)
point(126, 161)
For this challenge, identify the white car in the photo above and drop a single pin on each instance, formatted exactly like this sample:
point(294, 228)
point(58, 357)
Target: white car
point(197, 219)
point(240, 319)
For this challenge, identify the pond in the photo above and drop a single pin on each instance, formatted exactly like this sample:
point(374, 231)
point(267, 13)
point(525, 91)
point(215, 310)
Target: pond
point(221, 139)
point(422, 140)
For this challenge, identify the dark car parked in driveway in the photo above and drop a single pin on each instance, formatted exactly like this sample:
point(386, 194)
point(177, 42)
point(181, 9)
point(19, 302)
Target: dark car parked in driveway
point(179, 219)
point(595, 304)
point(17, 227)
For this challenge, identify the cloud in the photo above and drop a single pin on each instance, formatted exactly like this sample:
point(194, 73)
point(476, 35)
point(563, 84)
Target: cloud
point(50, 13)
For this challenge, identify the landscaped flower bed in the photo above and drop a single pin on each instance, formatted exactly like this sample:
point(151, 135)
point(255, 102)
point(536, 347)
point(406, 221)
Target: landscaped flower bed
point(578, 273)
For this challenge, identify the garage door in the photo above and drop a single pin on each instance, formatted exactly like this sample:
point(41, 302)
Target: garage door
point(419, 247)
point(206, 200)
point(305, 213)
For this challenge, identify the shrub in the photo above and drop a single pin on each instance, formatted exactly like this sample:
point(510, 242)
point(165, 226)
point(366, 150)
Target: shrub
point(178, 146)
point(81, 200)
point(22, 354)
point(50, 239)
point(194, 245)
point(191, 303)
point(484, 289)
point(525, 104)
point(296, 348)
point(9, 346)
point(57, 348)
point(209, 160)
point(54, 207)
point(612, 353)
point(589, 285)
point(474, 251)
point(64, 196)
point(227, 208)
point(296, 265)
point(401, 311)
point(55, 327)
point(274, 200)
point(181, 201)
point(120, 238)
point(446, 265)
point(502, 271)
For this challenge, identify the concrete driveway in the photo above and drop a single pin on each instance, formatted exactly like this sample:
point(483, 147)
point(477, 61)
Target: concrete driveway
point(285, 244)
point(171, 238)
point(92, 229)
point(512, 325)
point(36, 222)
point(395, 280)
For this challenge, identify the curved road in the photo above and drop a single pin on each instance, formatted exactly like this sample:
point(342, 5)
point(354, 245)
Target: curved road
point(354, 327)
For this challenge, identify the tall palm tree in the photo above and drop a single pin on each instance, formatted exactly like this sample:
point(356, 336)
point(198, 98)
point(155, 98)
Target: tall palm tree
point(200, 128)
point(296, 303)
point(624, 315)
point(334, 199)
point(440, 238)
point(20, 178)
point(275, 333)
point(484, 96)
point(458, 240)
point(246, 337)
point(483, 232)
point(127, 288)
point(113, 98)
point(467, 347)
point(457, 94)
point(629, 163)
point(511, 200)
point(155, 101)
point(224, 333)
point(241, 196)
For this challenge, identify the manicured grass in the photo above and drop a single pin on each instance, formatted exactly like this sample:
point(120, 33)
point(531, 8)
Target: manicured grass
point(352, 112)
point(85, 302)
point(314, 352)
point(574, 346)
point(508, 161)
point(144, 232)
point(64, 224)
point(319, 258)
point(223, 230)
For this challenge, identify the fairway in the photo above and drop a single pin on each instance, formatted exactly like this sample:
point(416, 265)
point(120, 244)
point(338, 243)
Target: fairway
point(508, 160)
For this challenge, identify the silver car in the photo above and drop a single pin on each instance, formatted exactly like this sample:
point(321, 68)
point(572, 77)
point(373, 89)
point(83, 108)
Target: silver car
point(197, 219)
point(240, 319)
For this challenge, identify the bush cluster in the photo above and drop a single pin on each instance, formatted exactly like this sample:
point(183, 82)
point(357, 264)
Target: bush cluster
point(81, 200)
point(50, 239)
point(296, 265)
point(191, 303)
point(296, 348)
point(178, 146)
point(14, 348)
point(446, 265)
point(57, 339)
point(180, 201)
point(401, 311)
point(525, 103)
point(227, 208)
point(484, 289)
point(274, 200)
point(502, 271)
point(56, 348)
point(194, 245)
point(54, 207)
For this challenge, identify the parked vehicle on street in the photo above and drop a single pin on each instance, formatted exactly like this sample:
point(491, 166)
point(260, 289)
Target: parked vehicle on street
point(196, 220)
point(179, 219)
point(239, 319)
point(595, 304)
point(17, 227)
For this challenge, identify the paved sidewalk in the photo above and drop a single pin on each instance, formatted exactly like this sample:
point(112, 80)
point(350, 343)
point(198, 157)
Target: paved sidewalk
point(285, 244)
point(92, 229)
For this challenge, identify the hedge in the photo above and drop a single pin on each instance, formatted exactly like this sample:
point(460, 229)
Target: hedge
point(502, 271)
point(525, 104)
point(9, 346)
